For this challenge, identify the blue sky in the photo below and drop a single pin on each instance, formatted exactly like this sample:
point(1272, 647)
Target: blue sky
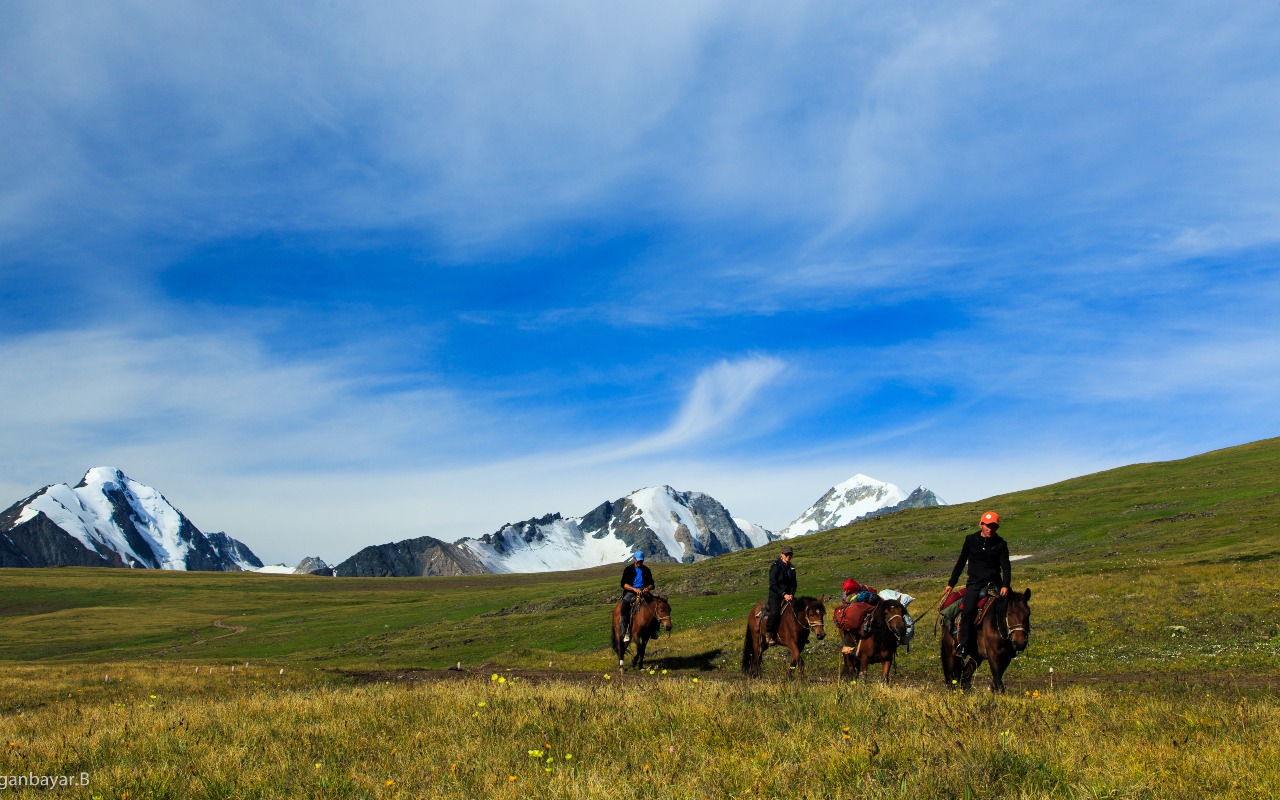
point(334, 276)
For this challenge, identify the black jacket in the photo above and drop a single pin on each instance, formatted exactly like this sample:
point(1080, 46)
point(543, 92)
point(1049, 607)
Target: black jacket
point(629, 576)
point(782, 578)
point(988, 560)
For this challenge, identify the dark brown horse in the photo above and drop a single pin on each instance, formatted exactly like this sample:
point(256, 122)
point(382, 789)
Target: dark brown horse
point(800, 617)
point(1003, 634)
point(888, 627)
point(647, 614)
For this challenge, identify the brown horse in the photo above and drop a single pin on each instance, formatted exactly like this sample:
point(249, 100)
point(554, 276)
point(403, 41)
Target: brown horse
point(1003, 634)
point(888, 627)
point(648, 613)
point(800, 617)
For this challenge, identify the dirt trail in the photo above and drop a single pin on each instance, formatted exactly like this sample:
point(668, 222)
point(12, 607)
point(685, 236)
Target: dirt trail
point(484, 672)
point(217, 623)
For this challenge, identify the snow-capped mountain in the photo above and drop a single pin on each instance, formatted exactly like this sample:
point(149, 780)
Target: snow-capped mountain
point(858, 498)
point(110, 520)
point(666, 524)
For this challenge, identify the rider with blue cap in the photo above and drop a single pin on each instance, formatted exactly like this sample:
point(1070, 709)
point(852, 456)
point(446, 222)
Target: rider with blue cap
point(637, 581)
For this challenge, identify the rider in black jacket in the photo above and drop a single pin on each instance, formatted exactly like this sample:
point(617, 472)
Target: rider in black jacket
point(636, 582)
point(782, 587)
point(988, 558)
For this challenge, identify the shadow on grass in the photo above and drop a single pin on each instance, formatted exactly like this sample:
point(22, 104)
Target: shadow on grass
point(701, 661)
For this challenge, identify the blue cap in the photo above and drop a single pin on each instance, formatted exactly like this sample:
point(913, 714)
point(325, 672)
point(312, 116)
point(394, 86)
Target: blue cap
point(640, 556)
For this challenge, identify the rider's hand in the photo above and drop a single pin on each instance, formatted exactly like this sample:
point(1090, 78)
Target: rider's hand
point(787, 597)
point(1004, 590)
point(947, 590)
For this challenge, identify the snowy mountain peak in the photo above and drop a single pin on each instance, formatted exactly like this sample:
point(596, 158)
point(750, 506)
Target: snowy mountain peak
point(665, 523)
point(857, 498)
point(108, 519)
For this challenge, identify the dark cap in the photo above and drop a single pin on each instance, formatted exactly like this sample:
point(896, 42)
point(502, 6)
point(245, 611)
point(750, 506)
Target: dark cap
point(786, 551)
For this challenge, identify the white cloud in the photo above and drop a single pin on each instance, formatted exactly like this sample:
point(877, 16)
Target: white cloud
point(107, 395)
point(719, 396)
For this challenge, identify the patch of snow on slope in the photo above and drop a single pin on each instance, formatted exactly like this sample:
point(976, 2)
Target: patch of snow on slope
point(272, 569)
point(758, 535)
point(664, 514)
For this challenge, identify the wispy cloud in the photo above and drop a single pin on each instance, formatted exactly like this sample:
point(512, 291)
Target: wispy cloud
point(719, 396)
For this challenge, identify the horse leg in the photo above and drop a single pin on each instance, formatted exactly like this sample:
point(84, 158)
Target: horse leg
point(638, 661)
point(968, 667)
point(999, 663)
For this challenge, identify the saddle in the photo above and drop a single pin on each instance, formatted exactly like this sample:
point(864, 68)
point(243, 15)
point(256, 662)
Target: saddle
point(763, 613)
point(953, 607)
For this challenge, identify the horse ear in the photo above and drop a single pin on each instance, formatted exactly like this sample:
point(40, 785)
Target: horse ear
point(824, 598)
point(1027, 595)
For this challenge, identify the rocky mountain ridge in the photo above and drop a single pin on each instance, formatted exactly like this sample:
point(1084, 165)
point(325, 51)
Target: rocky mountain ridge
point(111, 520)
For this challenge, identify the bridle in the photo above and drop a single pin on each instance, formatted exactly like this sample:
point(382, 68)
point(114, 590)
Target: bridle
point(1007, 633)
point(807, 620)
point(652, 605)
point(896, 615)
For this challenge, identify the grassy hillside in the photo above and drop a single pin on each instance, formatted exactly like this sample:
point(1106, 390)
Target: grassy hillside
point(1156, 601)
point(1130, 568)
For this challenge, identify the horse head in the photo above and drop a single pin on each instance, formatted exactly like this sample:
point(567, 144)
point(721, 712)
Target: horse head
point(662, 610)
point(1017, 619)
point(895, 618)
point(813, 611)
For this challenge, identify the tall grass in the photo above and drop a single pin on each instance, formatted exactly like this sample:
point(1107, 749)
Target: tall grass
point(165, 731)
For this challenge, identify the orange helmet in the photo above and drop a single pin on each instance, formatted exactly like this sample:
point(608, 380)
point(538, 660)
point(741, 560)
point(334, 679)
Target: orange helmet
point(851, 586)
point(990, 518)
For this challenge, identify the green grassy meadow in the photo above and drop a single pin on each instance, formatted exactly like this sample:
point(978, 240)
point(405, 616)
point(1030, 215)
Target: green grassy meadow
point(1156, 604)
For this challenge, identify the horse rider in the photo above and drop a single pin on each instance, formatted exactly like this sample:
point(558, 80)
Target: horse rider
point(782, 587)
point(988, 558)
point(637, 581)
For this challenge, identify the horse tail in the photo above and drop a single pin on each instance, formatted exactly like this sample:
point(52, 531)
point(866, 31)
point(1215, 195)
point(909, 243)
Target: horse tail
point(747, 650)
point(614, 639)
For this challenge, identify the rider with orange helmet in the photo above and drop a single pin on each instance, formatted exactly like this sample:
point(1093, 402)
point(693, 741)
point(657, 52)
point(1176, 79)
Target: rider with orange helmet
point(987, 556)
